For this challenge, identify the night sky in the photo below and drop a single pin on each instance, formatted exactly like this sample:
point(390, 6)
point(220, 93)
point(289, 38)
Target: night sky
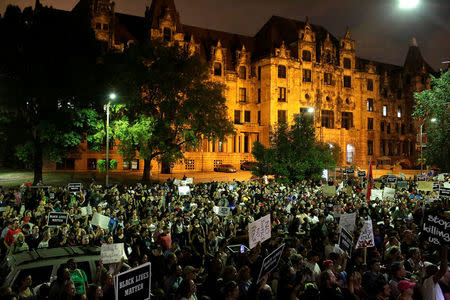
point(382, 31)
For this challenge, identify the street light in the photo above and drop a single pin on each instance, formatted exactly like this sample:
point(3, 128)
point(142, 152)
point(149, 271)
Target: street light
point(407, 4)
point(310, 110)
point(112, 96)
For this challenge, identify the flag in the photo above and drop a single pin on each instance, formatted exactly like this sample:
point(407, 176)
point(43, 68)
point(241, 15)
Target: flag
point(369, 182)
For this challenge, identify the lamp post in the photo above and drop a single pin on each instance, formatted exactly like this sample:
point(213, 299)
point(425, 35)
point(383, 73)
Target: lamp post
point(433, 120)
point(112, 96)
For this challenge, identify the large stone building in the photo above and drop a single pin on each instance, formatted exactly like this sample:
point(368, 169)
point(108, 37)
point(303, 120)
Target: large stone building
point(286, 68)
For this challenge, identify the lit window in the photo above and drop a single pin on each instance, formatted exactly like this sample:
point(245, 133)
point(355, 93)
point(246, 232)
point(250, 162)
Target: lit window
point(399, 112)
point(385, 112)
point(350, 153)
point(369, 104)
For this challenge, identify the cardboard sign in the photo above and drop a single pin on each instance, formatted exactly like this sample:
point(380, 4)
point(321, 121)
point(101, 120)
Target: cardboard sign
point(74, 187)
point(365, 239)
point(345, 241)
point(375, 193)
point(421, 177)
point(259, 231)
point(189, 180)
point(57, 218)
point(447, 185)
point(391, 179)
point(111, 253)
point(444, 192)
point(184, 190)
point(361, 174)
point(328, 190)
point(437, 229)
point(347, 221)
point(426, 186)
point(222, 211)
point(100, 220)
point(86, 210)
point(134, 284)
point(270, 262)
point(388, 193)
point(349, 170)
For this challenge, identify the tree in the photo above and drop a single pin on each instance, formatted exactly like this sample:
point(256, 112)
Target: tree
point(432, 108)
point(294, 154)
point(46, 68)
point(169, 102)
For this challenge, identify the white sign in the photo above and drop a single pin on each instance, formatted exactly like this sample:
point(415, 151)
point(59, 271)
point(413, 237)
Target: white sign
point(347, 221)
point(447, 185)
point(402, 176)
point(365, 240)
point(441, 177)
point(259, 231)
point(86, 210)
point(328, 190)
point(388, 192)
point(184, 190)
point(111, 253)
point(222, 211)
point(189, 180)
point(100, 220)
point(374, 194)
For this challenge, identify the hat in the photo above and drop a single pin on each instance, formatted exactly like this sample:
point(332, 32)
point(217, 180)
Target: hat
point(327, 263)
point(189, 269)
point(404, 285)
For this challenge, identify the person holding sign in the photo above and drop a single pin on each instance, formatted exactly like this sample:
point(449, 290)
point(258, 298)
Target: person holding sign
point(430, 288)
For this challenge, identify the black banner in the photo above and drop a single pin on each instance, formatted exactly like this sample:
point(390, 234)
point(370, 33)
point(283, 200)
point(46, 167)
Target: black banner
point(74, 187)
point(391, 179)
point(349, 170)
point(361, 173)
point(57, 218)
point(270, 262)
point(345, 241)
point(436, 229)
point(436, 186)
point(134, 284)
point(444, 192)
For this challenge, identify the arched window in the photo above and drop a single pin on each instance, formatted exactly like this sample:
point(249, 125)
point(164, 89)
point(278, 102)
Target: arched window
point(242, 72)
point(306, 55)
point(350, 153)
point(217, 69)
point(167, 34)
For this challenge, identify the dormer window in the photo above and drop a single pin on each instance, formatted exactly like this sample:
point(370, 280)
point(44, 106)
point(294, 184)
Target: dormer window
point(167, 34)
point(242, 72)
point(217, 69)
point(306, 55)
point(347, 63)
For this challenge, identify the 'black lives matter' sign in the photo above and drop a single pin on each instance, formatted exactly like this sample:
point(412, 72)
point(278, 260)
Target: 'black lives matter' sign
point(270, 262)
point(57, 218)
point(436, 229)
point(345, 241)
point(134, 284)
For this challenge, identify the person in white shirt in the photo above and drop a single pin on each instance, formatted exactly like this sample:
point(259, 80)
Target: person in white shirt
point(430, 288)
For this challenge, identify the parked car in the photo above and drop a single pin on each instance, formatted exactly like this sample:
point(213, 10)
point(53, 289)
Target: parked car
point(248, 165)
point(42, 264)
point(225, 168)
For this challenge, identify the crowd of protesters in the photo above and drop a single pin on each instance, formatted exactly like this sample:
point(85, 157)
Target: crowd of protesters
point(186, 241)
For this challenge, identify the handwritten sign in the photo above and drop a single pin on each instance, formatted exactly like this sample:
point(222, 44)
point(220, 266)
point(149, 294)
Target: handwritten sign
point(444, 192)
point(86, 210)
point(375, 193)
point(184, 190)
point(388, 193)
point(100, 220)
point(366, 240)
point(134, 284)
point(391, 179)
point(111, 253)
point(436, 229)
point(361, 174)
point(345, 241)
point(328, 190)
point(57, 218)
point(222, 211)
point(270, 262)
point(426, 186)
point(259, 231)
point(74, 187)
point(347, 221)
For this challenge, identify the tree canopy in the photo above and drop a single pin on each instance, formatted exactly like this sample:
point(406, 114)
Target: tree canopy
point(168, 101)
point(432, 108)
point(294, 154)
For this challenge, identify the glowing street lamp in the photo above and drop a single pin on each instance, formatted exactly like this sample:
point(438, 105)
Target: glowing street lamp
point(408, 4)
point(310, 110)
point(112, 97)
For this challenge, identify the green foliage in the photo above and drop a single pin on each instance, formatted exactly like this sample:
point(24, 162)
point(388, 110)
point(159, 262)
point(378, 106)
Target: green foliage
point(294, 154)
point(434, 104)
point(101, 165)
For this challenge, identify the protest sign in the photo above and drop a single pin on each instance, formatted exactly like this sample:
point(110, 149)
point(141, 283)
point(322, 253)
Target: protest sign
point(375, 193)
point(444, 192)
point(388, 192)
point(86, 210)
point(402, 183)
point(57, 218)
point(111, 253)
point(100, 220)
point(184, 190)
point(134, 284)
point(441, 177)
point(238, 248)
point(377, 185)
point(347, 221)
point(421, 177)
point(365, 239)
point(259, 231)
point(426, 186)
point(270, 262)
point(337, 209)
point(189, 180)
point(402, 176)
point(349, 170)
point(436, 186)
point(328, 190)
point(447, 185)
point(222, 211)
point(345, 241)
point(361, 174)
point(74, 187)
point(436, 229)
point(391, 179)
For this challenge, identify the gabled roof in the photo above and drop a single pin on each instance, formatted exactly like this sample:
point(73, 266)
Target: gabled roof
point(159, 8)
point(414, 62)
